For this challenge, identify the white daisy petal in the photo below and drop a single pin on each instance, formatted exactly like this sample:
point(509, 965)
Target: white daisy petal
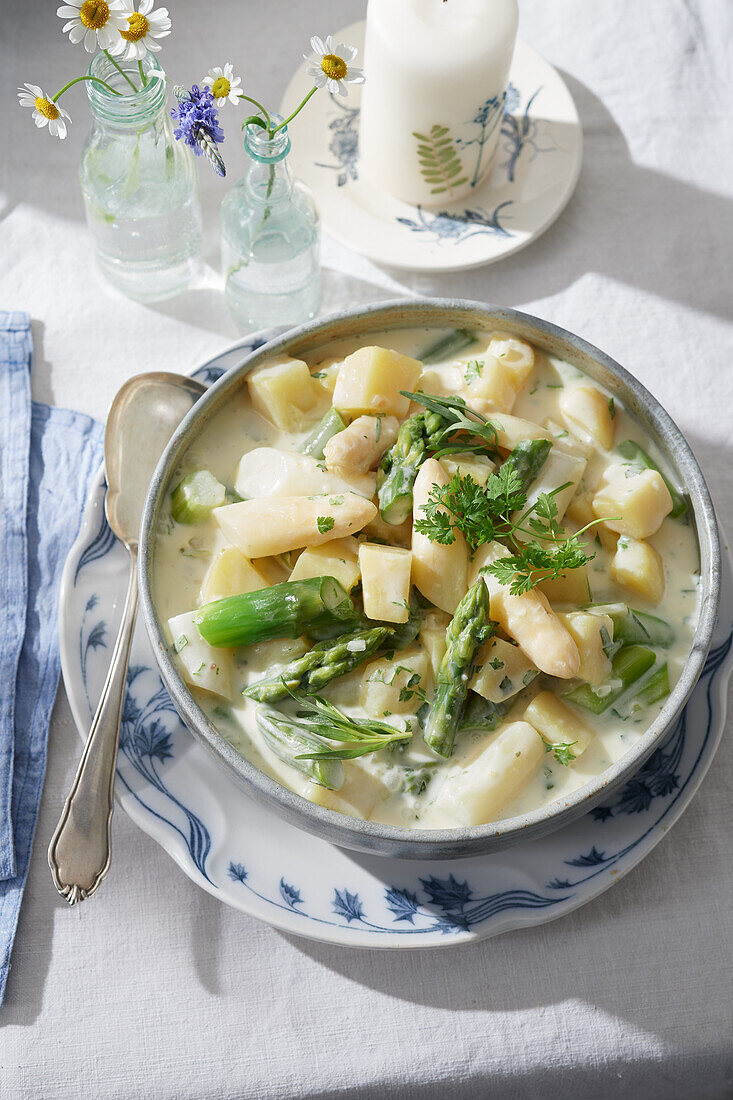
point(355, 76)
point(90, 41)
point(77, 33)
point(333, 85)
point(145, 7)
point(150, 44)
point(329, 44)
point(67, 12)
point(347, 52)
point(35, 89)
point(40, 119)
point(341, 89)
point(317, 45)
point(318, 77)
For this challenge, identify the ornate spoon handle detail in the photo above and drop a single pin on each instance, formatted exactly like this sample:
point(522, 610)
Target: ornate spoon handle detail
point(79, 852)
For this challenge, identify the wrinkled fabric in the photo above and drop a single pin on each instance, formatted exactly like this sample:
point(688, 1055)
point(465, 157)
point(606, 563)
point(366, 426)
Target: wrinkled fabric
point(48, 457)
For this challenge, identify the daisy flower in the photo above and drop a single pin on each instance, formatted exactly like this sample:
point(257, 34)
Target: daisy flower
point(143, 27)
point(45, 111)
point(223, 84)
point(331, 66)
point(96, 23)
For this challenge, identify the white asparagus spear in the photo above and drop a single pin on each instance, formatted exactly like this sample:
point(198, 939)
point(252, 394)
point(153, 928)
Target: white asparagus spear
point(528, 619)
point(358, 448)
point(438, 571)
point(274, 525)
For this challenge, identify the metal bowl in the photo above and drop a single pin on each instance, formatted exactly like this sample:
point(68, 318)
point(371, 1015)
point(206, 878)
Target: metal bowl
point(440, 313)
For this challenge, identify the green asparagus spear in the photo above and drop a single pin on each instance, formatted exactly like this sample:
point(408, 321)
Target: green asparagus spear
point(318, 607)
point(450, 344)
point(289, 741)
point(633, 627)
point(331, 424)
point(481, 714)
point(654, 688)
point(629, 665)
point(636, 454)
point(398, 470)
point(321, 664)
point(527, 459)
point(468, 630)
point(193, 498)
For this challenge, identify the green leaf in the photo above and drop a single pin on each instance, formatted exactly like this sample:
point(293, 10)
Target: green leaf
point(254, 120)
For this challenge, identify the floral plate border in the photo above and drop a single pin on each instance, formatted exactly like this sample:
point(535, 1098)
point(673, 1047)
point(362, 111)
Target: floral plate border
point(170, 786)
point(536, 169)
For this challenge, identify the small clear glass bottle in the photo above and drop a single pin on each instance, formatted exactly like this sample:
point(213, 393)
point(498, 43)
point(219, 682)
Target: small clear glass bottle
point(270, 239)
point(139, 186)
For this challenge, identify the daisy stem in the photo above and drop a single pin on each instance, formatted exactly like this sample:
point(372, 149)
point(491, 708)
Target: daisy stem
point(257, 105)
point(120, 70)
point(94, 79)
point(143, 78)
point(297, 110)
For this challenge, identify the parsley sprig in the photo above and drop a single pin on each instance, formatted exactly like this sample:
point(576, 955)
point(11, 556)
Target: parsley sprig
point(485, 514)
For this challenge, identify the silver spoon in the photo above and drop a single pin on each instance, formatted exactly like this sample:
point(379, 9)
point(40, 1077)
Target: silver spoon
point(143, 417)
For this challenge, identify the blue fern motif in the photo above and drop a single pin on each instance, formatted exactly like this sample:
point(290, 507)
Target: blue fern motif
point(402, 903)
point(347, 905)
point(487, 118)
point(237, 872)
point(289, 894)
point(592, 859)
point(446, 893)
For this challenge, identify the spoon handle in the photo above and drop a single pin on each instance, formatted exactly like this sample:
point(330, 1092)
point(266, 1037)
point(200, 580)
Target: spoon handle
point(79, 852)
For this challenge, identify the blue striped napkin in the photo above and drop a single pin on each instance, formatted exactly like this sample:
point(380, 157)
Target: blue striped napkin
point(47, 459)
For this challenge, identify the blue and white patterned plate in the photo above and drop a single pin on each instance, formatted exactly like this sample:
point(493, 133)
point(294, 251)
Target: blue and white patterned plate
point(251, 859)
point(535, 172)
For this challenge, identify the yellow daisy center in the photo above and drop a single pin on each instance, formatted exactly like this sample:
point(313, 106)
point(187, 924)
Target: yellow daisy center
point(94, 14)
point(220, 87)
point(46, 108)
point(334, 66)
point(139, 27)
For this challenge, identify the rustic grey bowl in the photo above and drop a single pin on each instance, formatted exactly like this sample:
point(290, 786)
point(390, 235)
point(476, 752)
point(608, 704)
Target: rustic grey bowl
point(440, 313)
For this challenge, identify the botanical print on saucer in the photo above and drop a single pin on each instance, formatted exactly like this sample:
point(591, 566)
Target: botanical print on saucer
point(535, 170)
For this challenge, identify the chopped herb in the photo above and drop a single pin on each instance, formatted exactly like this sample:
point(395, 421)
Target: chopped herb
point(560, 750)
point(474, 370)
point(180, 643)
point(506, 684)
point(612, 408)
point(496, 663)
point(325, 524)
point(334, 502)
point(318, 374)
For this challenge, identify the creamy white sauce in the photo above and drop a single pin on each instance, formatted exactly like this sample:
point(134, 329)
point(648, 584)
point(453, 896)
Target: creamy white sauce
point(183, 554)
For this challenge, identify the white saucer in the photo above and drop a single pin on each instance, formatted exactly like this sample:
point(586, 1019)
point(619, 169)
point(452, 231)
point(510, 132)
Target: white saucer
point(535, 172)
point(253, 860)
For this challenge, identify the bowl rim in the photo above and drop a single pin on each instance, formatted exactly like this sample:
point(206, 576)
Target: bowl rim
point(361, 834)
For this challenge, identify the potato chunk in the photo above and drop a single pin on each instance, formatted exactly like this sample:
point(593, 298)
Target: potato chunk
point(511, 430)
point(396, 686)
point(639, 568)
point(515, 355)
point(285, 394)
point(580, 512)
point(200, 664)
point(337, 558)
point(359, 447)
point(505, 670)
point(528, 619)
point(638, 497)
point(275, 525)
point(230, 574)
point(358, 795)
point(590, 633)
point(488, 386)
point(467, 465)
point(325, 373)
point(385, 579)
point(557, 723)
point(589, 414)
point(370, 381)
point(478, 793)
point(438, 571)
point(560, 475)
point(571, 587)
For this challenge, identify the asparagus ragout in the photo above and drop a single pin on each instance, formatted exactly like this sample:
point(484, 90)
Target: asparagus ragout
point(432, 579)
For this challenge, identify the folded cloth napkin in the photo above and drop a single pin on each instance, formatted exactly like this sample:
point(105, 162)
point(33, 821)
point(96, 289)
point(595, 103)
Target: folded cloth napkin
point(47, 459)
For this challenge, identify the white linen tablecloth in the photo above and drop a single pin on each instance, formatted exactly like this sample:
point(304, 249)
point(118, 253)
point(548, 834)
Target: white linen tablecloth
point(153, 988)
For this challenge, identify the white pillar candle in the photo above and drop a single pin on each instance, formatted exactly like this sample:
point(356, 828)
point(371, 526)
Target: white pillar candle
point(432, 105)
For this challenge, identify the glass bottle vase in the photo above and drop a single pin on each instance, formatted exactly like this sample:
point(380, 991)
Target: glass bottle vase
point(270, 239)
point(139, 186)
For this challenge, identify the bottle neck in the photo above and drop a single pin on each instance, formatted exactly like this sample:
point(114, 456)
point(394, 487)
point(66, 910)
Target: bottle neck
point(130, 111)
point(269, 179)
